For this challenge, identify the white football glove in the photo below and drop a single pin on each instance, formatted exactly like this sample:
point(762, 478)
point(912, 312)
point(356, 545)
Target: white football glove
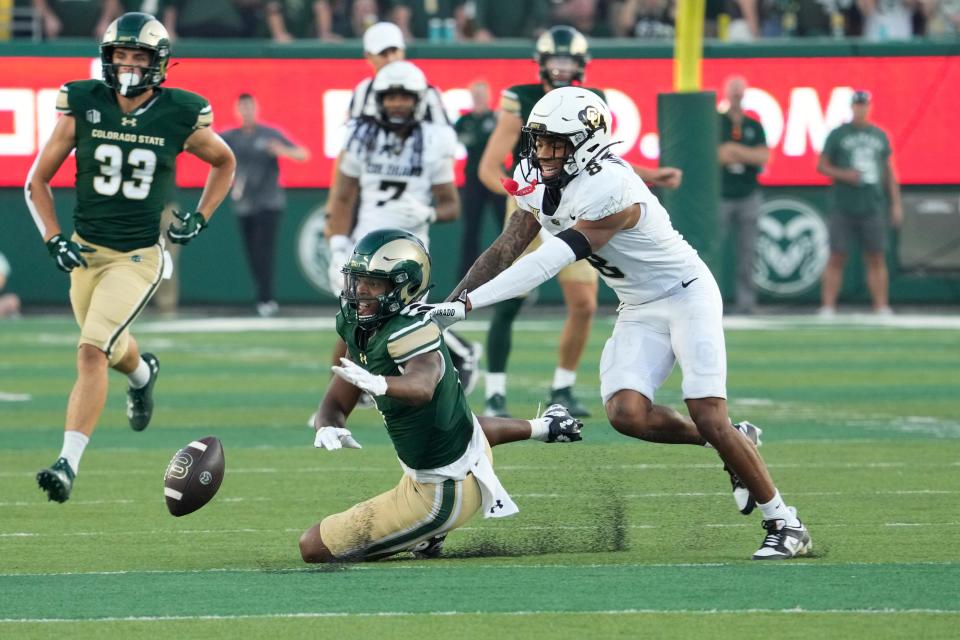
point(333, 438)
point(444, 314)
point(411, 212)
point(360, 377)
point(340, 249)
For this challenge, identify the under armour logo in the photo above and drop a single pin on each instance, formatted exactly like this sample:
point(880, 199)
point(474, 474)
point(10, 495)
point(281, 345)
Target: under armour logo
point(128, 122)
point(497, 505)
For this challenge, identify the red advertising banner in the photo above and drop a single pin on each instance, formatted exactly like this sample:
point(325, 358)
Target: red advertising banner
point(798, 100)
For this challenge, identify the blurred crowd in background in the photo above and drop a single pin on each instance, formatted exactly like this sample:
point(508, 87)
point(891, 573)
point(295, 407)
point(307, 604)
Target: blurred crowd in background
point(486, 20)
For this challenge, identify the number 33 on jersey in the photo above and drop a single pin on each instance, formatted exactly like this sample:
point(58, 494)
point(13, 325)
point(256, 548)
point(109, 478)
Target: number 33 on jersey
point(126, 161)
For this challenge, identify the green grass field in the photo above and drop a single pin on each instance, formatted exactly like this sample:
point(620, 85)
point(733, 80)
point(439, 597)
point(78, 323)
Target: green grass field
point(616, 538)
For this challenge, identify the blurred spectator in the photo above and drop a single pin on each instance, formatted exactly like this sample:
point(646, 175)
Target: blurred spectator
point(502, 19)
point(744, 20)
point(858, 158)
point(9, 302)
point(288, 20)
point(473, 130)
point(742, 153)
point(589, 17)
point(258, 199)
point(435, 20)
point(360, 15)
point(76, 18)
point(813, 18)
point(887, 19)
point(645, 18)
point(943, 17)
point(212, 18)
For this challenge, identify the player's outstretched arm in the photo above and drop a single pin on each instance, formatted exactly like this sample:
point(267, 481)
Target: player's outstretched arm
point(209, 147)
point(554, 254)
point(517, 235)
point(415, 386)
point(37, 190)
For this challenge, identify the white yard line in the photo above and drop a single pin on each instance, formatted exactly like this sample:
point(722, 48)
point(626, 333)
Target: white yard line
point(485, 614)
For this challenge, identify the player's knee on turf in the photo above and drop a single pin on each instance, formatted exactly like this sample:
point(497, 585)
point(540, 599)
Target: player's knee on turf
point(312, 548)
point(627, 412)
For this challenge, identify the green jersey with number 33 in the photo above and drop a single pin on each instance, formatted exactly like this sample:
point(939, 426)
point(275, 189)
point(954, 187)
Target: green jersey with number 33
point(126, 162)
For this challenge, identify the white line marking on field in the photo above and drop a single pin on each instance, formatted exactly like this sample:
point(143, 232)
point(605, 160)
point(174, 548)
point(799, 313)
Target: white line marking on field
point(553, 527)
point(487, 614)
point(534, 468)
point(6, 396)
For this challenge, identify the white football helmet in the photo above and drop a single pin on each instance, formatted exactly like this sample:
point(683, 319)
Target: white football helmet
point(400, 76)
point(576, 114)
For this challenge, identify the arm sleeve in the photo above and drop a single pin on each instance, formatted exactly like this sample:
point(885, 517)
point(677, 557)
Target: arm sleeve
point(63, 100)
point(422, 336)
point(510, 102)
point(525, 274)
point(204, 116)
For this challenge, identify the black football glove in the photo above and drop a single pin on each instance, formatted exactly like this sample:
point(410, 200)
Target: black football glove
point(67, 253)
point(192, 223)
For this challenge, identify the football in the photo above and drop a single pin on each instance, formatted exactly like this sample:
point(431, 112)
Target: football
point(193, 476)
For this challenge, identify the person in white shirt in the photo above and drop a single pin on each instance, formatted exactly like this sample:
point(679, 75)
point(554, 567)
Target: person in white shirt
point(591, 205)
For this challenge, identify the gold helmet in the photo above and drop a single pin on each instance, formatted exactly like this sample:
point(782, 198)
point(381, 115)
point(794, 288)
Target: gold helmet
point(395, 256)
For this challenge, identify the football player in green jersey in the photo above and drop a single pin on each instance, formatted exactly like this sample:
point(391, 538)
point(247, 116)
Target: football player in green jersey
point(562, 53)
point(444, 450)
point(127, 132)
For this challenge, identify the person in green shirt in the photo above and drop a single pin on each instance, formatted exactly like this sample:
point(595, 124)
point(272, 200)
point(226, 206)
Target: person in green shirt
point(443, 448)
point(742, 153)
point(127, 132)
point(473, 130)
point(858, 158)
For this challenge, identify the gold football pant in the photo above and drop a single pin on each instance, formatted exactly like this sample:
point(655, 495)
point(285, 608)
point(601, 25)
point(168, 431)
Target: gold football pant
point(110, 293)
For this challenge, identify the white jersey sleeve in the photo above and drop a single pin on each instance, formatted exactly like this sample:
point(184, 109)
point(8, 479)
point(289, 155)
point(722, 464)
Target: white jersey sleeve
point(611, 190)
point(441, 146)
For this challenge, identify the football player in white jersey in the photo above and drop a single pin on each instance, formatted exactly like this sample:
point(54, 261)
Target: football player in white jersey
point(593, 206)
point(395, 163)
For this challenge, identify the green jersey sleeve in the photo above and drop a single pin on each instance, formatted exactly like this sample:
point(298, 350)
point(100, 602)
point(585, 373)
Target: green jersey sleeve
point(419, 337)
point(193, 108)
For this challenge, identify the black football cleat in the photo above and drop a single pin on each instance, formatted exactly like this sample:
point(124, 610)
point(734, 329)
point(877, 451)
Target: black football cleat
point(783, 542)
point(140, 401)
point(57, 480)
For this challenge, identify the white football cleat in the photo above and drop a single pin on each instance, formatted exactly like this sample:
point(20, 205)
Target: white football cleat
point(783, 542)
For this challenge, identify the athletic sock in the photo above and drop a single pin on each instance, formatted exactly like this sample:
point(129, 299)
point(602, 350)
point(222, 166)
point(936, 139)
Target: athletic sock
point(776, 509)
point(499, 335)
point(563, 378)
point(74, 443)
point(539, 429)
point(496, 383)
point(140, 376)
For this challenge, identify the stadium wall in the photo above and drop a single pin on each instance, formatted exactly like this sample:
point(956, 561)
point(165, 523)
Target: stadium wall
point(799, 90)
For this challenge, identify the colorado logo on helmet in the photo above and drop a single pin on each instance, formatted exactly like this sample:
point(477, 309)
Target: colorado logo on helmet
point(593, 119)
point(792, 247)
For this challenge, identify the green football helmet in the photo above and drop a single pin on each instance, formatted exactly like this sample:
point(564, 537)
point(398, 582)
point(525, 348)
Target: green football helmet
point(562, 42)
point(136, 31)
point(399, 259)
